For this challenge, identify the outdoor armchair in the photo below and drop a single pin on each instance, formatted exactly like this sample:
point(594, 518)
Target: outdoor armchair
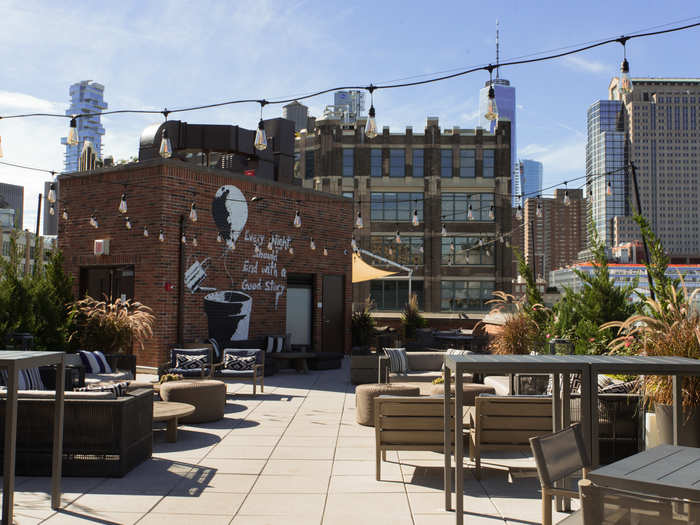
point(256, 372)
point(189, 362)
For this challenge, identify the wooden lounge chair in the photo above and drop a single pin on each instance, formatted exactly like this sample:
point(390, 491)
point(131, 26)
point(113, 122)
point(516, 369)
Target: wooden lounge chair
point(507, 423)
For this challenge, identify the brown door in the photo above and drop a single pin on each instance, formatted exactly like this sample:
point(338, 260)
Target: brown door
point(333, 300)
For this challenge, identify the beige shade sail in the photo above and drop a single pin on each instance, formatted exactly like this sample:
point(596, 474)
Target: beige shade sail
point(361, 271)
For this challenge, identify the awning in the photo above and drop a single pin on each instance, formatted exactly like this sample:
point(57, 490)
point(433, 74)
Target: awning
point(361, 271)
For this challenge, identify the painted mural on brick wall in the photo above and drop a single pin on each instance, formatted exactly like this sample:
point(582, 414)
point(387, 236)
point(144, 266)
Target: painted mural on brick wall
point(228, 311)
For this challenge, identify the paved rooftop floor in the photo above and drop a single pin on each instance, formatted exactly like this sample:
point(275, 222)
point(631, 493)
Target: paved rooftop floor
point(293, 455)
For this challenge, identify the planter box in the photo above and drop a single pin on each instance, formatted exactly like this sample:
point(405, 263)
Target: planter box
point(690, 426)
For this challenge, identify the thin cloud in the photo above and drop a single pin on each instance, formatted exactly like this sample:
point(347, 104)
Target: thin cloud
point(14, 101)
point(579, 63)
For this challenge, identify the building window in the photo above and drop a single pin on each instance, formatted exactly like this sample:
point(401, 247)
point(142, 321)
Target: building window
point(309, 173)
point(348, 162)
point(397, 163)
point(489, 163)
point(375, 162)
point(446, 163)
point(396, 206)
point(455, 207)
point(467, 163)
point(463, 251)
point(418, 162)
point(408, 252)
point(465, 295)
point(389, 294)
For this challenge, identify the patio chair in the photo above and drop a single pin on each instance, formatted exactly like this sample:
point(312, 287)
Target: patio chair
point(603, 505)
point(256, 372)
point(557, 456)
point(189, 362)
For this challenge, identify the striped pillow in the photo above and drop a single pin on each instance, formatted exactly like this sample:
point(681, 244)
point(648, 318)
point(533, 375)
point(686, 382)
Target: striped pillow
point(95, 362)
point(29, 379)
point(398, 362)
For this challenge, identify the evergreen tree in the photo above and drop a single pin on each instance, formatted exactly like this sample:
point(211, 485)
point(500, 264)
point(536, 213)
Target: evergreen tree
point(53, 292)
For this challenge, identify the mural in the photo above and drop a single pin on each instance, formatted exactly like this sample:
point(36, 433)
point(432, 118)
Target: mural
point(229, 311)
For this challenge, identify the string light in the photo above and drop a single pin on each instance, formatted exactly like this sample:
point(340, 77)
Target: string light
point(625, 85)
point(161, 235)
point(52, 209)
point(194, 240)
point(567, 200)
point(470, 214)
point(359, 224)
point(371, 126)
point(219, 238)
point(609, 190)
point(443, 231)
point(538, 210)
point(193, 212)
point(145, 231)
point(127, 223)
point(122, 204)
point(492, 213)
point(52, 193)
point(183, 239)
point(519, 213)
point(312, 244)
point(291, 250)
point(325, 251)
point(73, 132)
point(415, 221)
point(398, 237)
point(65, 214)
point(231, 244)
point(269, 244)
point(480, 242)
point(353, 244)
point(452, 246)
point(93, 221)
point(491, 107)
point(421, 249)
point(166, 147)
point(297, 219)
point(500, 238)
point(260, 141)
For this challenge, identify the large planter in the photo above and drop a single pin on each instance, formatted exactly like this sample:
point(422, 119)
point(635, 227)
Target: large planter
point(690, 426)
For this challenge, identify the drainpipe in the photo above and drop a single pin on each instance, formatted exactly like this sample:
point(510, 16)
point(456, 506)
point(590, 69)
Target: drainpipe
point(181, 285)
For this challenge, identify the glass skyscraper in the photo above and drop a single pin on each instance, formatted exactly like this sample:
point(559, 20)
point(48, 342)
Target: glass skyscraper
point(605, 153)
point(530, 180)
point(86, 97)
point(505, 101)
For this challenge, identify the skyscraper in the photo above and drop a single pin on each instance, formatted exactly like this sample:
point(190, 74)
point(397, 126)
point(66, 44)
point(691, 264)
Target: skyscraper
point(298, 113)
point(86, 97)
point(605, 153)
point(530, 179)
point(12, 197)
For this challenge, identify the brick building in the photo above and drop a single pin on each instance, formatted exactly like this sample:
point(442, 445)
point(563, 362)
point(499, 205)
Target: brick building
point(251, 272)
point(459, 178)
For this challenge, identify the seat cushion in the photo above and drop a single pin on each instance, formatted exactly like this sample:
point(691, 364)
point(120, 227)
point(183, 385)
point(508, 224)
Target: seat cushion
point(226, 372)
point(425, 361)
point(500, 384)
point(119, 375)
point(423, 376)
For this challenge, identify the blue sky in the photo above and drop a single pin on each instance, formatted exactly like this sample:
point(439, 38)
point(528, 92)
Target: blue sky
point(157, 54)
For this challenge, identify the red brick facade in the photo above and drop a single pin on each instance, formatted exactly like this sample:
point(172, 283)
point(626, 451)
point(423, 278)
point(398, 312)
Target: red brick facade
point(159, 195)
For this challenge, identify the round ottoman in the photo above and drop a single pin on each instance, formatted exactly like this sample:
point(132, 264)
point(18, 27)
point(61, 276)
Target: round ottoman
point(470, 390)
point(365, 394)
point(208, 397)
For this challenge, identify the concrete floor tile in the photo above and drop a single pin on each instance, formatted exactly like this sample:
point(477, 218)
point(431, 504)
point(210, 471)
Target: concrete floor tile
point(295, 467)
point(390, 471)
point(193, 519)
point(340, 484)
point(98, 502)
point(78, 517)
point(234, 466)
point(237, 483)
point(287, 505)
point(351, 509)
point(302, 453)
point(291, 484)
point(205, 503)
point(240, 452)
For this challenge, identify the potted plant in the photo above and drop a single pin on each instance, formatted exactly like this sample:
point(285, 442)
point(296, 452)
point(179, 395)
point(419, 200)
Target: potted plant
point(520, 332)
point(362, 327)
point(411, 318)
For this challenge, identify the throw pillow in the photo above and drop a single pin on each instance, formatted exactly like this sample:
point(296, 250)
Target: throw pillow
point(190, 362)
point(398, 362)
point(95, 362)
point(456, 351)
point(118, 389)
point(238, 362)
point(619, 387)
point(28, 379)
point(574, 384)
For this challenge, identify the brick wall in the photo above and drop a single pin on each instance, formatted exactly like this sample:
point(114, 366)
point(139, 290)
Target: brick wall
point(160, 193)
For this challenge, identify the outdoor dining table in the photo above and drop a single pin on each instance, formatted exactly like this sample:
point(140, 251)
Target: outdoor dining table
point(13, 362)
point(588, 366)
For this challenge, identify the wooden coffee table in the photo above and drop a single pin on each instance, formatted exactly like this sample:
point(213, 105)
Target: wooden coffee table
point(298, 358)
point(170, 412)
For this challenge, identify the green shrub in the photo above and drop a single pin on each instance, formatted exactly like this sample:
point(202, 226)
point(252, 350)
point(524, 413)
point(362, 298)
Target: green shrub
point(411, 318)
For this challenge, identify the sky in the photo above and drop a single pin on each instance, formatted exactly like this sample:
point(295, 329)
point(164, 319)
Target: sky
point(156, 54)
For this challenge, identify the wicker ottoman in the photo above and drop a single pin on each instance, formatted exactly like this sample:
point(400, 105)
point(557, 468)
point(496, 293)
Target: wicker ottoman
point(365, 394)
point(471, 390)
point(208, 397)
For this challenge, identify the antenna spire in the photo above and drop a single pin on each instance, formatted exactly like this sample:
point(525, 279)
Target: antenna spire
point(497, 49)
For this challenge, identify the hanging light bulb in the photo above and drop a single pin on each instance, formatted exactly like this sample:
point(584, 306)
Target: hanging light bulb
point(398, 237)
point(492, 212)
point(500, 238)
point(488, 252)
point(359, 224)
point(65, 214)
point(166, 147)
point(122, 204)
point(507, 242)
point(609, 190)
point(73, 133)
point(219, 238)
point(297, 219)
point(193, 212)
point(443, 231)
point(470, 213)
point(269, 244)
point(93, 221)
point(353, 244)
point(625, 85)
point(421, 249)
point(194, 240)
point(452, 246)
point(519, 213)
point(52, 193)
point(480, 242)
point(260, 141)
point(183, 239)
point(52, 209)
point(325, 251)
point(145, 231)
point(161, 235)
point(538, 210)
point(371, 126)
point(291, 250)
point(415, 221)
point(567, 199)
point(0, 147)
point(312, 244)
point(127, 223)
point(491, 107)
point(230, 244)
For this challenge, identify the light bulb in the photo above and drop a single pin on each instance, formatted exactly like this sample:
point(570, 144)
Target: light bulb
point(325, 251)
point(194, 240)
point(183, 239)
point(480, 242)
point(492, 213)
point(312, 244)
point(93, 221)
point(145, 231)
point(470, 214)
point(52, 209)
point(161, 235)
point(421, 249)
point(608, 190)
point(230, 244)
point(166, 147)
point(567, 199)
point(73, 133)
point(291, 250)
point(219, 238)
point(260, 142)
point(371, 127)
point(0, 147)
point(65, 214)
point(269, 245)
point(488, 252)
point(443, 232)
point(415, 220)
point(500, 238)
point(122, 204)
point(625, 81)
point(491, 108)
point(297, 220)
point(359, 224)
point(507, 243)
point(127, 223)
point(193, 212)
point(519, 213)
point(52, 193)
point(452, 246)
point(353, 244)
point(538, 210)
point(398, 237)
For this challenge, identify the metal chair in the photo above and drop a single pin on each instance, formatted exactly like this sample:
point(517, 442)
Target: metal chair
point(557, 456)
